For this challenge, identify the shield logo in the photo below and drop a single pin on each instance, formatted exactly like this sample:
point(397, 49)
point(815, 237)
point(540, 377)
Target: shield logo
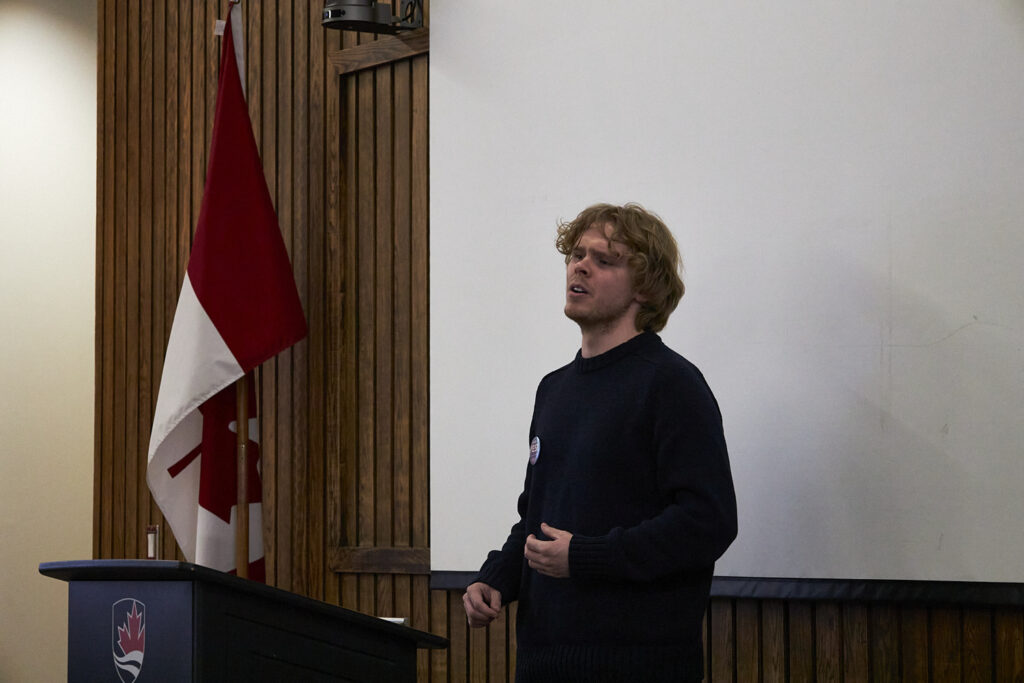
point(128, 637)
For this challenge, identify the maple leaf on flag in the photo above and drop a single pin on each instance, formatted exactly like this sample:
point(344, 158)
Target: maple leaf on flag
point(218, 480)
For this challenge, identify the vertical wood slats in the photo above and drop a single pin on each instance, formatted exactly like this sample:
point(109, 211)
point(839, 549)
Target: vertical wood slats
point(345, 414)
point(858, 643)
point(853, 642)
point(118, 273)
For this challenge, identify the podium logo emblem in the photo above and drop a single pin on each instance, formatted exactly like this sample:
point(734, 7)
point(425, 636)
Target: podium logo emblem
point(128, 638)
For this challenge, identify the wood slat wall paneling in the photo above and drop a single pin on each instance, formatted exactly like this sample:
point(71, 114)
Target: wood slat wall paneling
point(307, 409)
point(945, 646)
point(1009, 644)
point(336, 316)
point(855, 642)
point(157, 214)
point(275, 535)
point(344, 272)
point(345, 415)
point(365, 200)
point(828, 642)
point(459, 649)
point(420, 620)
point(418, 381)
point(211, 64)
point(146, 231)
point(131, 260)
point(200, 32)
point(292, 454)
point(294, 184)
point(401, 164)
point(748, 630)
point(800, 646)
point(773, 641)
point(383, 341)
point(348, 469)
point(477, 659)
point(384, 399)
point(914, 644)
point(182, 225)
point(120, 276)
point(497, 650)
point(722, 641)
point(439, 625)
point(284, 182)
point(977, 657)
point(419, 306)
point(315, 391)
point(883, 638)
point(172, 209)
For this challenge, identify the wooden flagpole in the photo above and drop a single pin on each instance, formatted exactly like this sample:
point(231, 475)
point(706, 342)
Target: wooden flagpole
point(242, 516)
point(242, 436)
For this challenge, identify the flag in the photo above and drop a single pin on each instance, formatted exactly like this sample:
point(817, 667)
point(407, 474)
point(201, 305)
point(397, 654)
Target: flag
point(238, 307)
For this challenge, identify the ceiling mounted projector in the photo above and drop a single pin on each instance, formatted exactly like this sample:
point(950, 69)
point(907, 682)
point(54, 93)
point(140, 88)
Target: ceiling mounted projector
point(371, 16)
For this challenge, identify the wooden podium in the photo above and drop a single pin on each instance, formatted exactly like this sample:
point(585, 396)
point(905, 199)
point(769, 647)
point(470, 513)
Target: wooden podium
point(173, 621)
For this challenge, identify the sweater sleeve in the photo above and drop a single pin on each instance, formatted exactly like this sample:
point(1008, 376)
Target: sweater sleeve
point(698, 521)
point(503, 568)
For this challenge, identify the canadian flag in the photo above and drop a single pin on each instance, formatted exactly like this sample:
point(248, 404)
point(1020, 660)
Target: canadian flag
point(238, 307)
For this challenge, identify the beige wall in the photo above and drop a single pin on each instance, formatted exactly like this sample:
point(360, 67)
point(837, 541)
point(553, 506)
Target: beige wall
point(47, 273)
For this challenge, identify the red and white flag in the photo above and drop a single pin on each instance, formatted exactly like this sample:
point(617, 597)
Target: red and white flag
point(238, 307)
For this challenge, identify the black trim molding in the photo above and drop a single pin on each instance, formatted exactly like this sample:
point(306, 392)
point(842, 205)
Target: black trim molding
point(838, 590)
point(870, 590)
point(450, 581)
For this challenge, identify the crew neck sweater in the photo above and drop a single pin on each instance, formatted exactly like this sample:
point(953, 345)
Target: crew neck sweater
point(627, 454)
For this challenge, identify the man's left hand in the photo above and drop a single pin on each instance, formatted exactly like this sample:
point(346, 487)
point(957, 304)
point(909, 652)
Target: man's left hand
point(550, 558)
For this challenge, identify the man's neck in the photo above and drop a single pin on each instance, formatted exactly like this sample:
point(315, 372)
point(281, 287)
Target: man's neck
point(596, 342)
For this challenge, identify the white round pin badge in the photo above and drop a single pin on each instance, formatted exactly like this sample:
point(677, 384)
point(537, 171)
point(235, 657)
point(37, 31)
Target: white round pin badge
point(534, 450)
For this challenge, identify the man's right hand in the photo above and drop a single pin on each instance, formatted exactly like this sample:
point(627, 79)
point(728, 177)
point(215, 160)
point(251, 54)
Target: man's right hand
point(482, 603)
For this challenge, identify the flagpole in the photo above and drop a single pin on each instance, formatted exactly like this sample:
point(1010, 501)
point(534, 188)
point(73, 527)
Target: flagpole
point(242, 517)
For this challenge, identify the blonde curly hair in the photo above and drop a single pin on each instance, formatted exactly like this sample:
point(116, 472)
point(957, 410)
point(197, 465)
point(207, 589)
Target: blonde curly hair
point(654, 260)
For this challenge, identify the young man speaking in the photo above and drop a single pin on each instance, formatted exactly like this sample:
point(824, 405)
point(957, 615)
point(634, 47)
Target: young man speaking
point(628, 500)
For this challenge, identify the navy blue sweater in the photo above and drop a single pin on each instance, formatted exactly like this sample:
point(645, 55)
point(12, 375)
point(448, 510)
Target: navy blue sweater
point(631, 459)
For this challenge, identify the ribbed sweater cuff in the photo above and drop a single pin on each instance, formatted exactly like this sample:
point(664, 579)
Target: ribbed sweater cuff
point(590, 557)
point(492, 576)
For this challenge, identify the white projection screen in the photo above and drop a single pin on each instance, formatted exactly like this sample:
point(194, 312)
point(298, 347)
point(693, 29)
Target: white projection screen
point(846, 182)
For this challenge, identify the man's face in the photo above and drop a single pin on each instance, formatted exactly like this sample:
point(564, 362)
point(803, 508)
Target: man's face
point(599, 292)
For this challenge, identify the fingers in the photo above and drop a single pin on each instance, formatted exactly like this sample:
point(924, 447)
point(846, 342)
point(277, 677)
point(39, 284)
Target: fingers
point(475, 616)
point(482, 604)
point(551, 531)
point(550, 558)
point(534, 550)
point(538, 553)
point(534, 544)
point(495, 602)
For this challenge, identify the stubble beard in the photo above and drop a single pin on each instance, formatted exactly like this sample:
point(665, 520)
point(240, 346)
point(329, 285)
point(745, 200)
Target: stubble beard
point(600, 320)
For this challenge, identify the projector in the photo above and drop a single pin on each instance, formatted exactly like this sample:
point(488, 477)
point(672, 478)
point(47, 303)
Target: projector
point(371, 16)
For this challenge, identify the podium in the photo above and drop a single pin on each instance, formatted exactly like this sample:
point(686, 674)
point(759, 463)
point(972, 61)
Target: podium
point(156, 620)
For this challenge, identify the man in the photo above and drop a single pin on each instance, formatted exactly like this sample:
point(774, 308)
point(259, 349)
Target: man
point(628, 500)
